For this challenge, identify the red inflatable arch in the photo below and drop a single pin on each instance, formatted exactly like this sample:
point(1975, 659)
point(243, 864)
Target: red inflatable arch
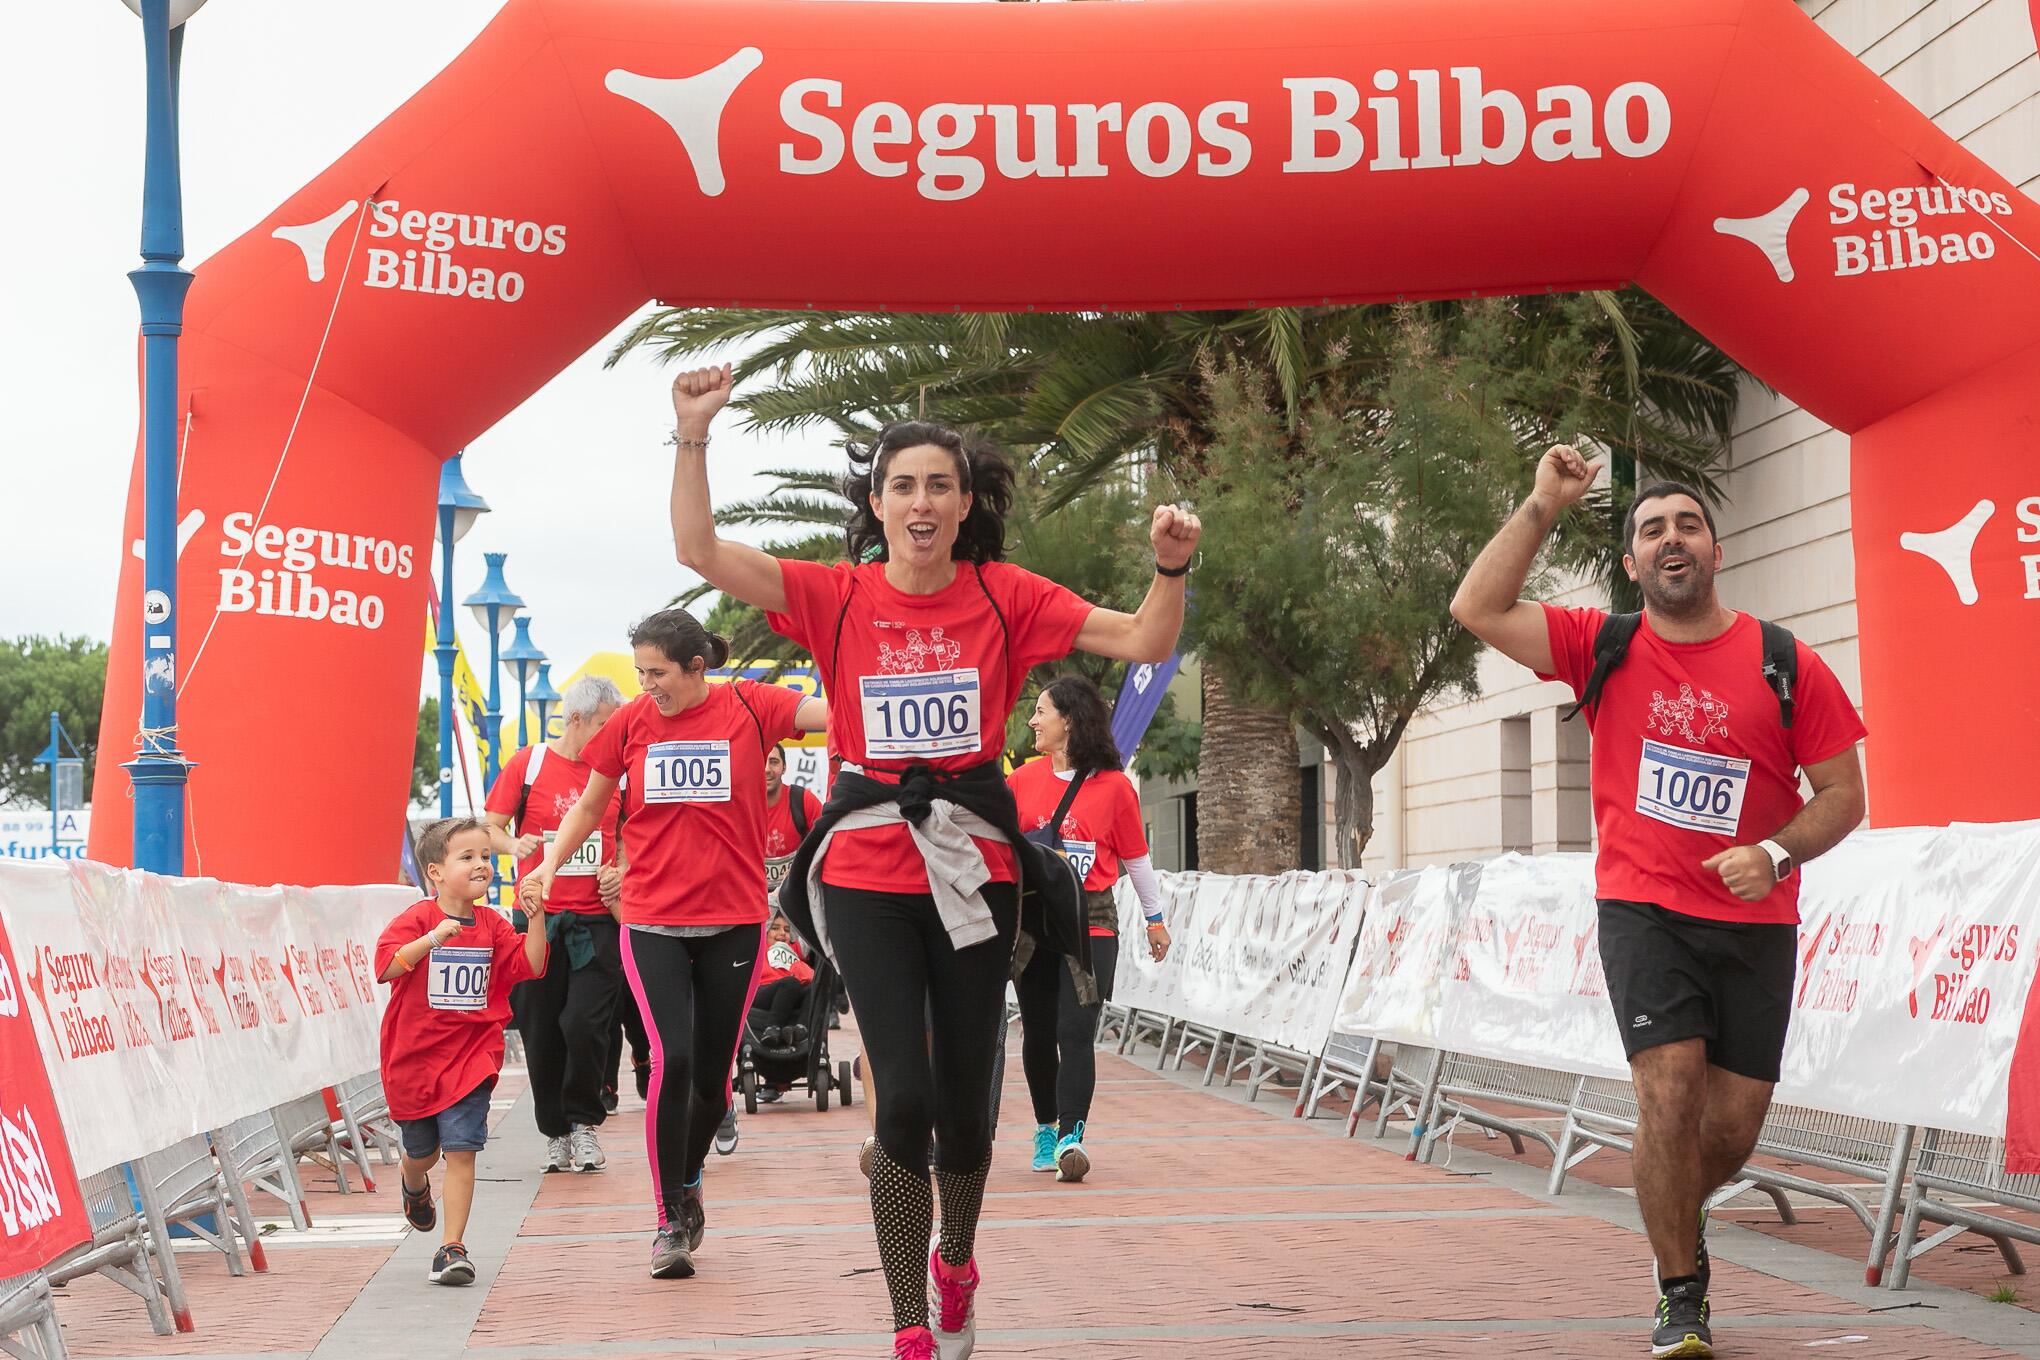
point(584, 156)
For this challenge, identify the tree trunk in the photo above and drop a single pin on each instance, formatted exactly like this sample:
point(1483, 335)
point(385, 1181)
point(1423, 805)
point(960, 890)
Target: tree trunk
point(1249, 797)
point(1352, 798)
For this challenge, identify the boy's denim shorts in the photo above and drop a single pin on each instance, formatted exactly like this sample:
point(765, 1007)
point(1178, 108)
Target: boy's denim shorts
point(461, 1127)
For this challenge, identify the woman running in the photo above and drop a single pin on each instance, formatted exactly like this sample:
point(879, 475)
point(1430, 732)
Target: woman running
point(1080, 791)
point(909, 881)
point(693, 903)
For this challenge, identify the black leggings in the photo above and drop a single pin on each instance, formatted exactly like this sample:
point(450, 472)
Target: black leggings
point(900, 966)
point(778, 1002)
point(1058, 1037)
point(693, 991)
point(626, 1033)
point(567, 1017)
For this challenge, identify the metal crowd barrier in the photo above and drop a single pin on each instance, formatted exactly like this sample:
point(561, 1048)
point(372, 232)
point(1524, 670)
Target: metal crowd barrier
point(254, 1154)
point(365, 1120)
point(1462, 1078)
point(119, 1249)
point(28, 1319)
point(1970, 1167)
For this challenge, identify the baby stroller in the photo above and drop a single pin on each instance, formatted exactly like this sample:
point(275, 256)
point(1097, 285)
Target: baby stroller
point(802, 1058)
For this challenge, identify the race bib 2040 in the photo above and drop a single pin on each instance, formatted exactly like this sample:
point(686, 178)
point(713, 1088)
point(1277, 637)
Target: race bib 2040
point(457, 978)
point(585, 862)
point(687, 772)
point(918, 716)
point(1696, 790)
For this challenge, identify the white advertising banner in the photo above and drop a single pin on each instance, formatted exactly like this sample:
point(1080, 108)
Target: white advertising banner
point(1396, 983)
point(1140, 983)
point(166, 1007)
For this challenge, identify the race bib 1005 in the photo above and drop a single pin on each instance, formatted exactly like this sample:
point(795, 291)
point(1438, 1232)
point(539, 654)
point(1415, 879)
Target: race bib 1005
point(585, 862)
point(1082, 855)
point(457, 978)
point(919, 716)
point(687, 772)
point(1696, 790)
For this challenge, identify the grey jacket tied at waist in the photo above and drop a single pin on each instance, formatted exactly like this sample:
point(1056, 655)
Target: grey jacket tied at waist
point(956, 866)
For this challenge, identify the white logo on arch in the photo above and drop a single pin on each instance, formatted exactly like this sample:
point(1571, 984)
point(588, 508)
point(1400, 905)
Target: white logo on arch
point(1954, 548)
point(311, 238)
point(1768, 231)
point(693, 107)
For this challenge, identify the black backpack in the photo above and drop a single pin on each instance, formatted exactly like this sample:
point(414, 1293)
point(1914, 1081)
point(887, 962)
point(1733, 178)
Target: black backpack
point(1611, 644)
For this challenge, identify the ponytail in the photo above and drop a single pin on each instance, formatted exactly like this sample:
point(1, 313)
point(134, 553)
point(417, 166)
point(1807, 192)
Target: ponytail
point(680, 636)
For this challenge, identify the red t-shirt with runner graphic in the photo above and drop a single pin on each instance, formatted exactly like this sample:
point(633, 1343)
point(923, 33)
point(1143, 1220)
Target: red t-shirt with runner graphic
point(1691, 758)
point(921, 680)
point(442, 1033)
point(782, 837)
point(553, 795)
point(1102, 827)
point(694, 814)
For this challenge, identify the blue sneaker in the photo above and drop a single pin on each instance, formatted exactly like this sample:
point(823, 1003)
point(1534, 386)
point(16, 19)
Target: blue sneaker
point(1072, 1163)
point(1044, 1147)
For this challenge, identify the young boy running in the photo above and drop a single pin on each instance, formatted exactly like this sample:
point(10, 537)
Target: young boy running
point(442, 1036)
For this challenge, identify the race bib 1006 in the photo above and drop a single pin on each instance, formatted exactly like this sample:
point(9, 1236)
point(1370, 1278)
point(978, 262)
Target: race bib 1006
point(1082, 855)
point(585, 862)
point(457, 978)
point(687, 772)
point(1696, 790)
point(920, 715)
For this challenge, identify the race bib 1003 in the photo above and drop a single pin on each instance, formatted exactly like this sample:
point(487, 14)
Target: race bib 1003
point(1696, 790)
point(919, 716)
point(687, 772)
point(457, 978)
point(1082, 855)
point(585, 862)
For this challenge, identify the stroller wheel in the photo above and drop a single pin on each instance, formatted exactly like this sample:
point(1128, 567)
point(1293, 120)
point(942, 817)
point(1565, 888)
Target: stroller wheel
point(844, 1081)
point(750, 1082)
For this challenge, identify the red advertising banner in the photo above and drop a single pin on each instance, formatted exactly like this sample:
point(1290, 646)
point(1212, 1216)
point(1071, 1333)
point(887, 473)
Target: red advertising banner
point(42, 1212)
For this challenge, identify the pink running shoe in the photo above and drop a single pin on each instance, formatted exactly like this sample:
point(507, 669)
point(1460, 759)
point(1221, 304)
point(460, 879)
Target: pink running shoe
point(914, 1343)
point(955, 1306)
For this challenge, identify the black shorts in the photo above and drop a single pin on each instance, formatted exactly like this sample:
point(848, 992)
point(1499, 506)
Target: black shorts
point(1673, 976)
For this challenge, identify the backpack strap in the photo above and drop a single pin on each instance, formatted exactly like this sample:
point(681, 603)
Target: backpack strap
point(1611, 644)
point(531, 769)
point(1062, 809)
point(798, 808)
point(1781, 667)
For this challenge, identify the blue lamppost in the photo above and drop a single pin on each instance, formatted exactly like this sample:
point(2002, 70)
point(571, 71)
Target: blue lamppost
point(493, 604)
point(158, 770)
point(459, 508)
point(544, 696)
point(523, 658)
point(60, 764)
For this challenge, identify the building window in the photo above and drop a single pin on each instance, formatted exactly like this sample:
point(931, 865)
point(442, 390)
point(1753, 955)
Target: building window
point(1514, 769)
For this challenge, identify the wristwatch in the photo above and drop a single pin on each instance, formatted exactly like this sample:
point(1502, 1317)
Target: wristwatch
point(1781, 860)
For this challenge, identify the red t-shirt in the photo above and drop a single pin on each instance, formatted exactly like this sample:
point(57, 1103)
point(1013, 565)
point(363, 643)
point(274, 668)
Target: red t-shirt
point(782, 837)
point(442, 1034)
point(694, 823)
point(1686, 734)
point(1101, 828)
point(921, 680)
point(553, 795)
point(783, 960)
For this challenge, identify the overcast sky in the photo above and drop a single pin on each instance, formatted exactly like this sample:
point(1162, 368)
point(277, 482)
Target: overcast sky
point(274, 91)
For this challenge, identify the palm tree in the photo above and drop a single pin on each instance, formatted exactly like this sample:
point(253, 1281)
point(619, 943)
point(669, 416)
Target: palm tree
point(1123, 399)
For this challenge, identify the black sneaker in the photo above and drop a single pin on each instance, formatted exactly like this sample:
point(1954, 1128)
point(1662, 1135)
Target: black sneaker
point(450, 1265)
point(671, 1257)
point(1682, 1323)
point(418, 1210)
point(609, 1099)
point(693, 1215)
point(1701, 1265)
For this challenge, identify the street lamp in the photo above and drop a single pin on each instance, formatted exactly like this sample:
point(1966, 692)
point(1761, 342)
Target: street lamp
point(459, 508)
point(544, 696)
point(493, 605)
point(523, 658)
point(64, 771)
point(159, 769)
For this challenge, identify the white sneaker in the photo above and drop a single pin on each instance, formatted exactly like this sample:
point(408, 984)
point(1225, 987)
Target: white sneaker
point(586, 1152)
point(557, 1157)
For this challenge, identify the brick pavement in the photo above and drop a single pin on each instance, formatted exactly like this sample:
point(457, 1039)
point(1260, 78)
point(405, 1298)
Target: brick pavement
point(1210, 1229)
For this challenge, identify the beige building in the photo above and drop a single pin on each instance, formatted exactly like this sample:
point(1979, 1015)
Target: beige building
point(1501, 772)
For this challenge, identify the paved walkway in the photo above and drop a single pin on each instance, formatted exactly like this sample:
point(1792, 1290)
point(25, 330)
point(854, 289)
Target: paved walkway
point(1210, 1229)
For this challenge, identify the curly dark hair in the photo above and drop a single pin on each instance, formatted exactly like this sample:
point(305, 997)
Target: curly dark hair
point(680, 636)
point(1090, 746)
point(982, 469)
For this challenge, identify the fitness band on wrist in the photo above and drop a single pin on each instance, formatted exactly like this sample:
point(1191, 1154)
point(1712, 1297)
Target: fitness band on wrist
point(1171, 572)
point(677, 442)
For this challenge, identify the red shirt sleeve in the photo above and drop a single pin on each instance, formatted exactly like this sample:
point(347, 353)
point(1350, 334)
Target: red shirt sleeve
point(509, 784)
point(1824, 722)
point(1572, 633)
point(776, 707)
point(1129, 836)
point(811, 803)
point(604, 751)
point(814, 596)
point(398, 933)
point(511, 966)
point(1046, 617)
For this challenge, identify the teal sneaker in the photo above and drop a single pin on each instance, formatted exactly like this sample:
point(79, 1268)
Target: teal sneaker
point(1072, 1163)
point(1044, 1147)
